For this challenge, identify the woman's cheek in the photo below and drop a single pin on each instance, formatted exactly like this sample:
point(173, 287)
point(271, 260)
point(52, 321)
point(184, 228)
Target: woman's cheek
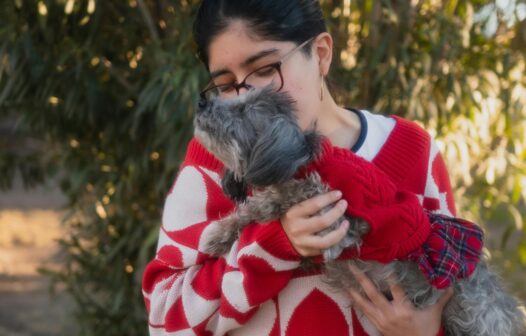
point(306, 101)
point(306, 111)
point(305, 120)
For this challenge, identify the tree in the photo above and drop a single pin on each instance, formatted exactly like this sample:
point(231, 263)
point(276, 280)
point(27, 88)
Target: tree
point(107, 88)
point(103, 93)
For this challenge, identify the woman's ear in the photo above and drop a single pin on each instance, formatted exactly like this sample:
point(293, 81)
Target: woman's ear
point(322, 48)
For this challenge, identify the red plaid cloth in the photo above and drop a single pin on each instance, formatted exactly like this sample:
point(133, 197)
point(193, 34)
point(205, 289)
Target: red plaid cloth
point(451, 252)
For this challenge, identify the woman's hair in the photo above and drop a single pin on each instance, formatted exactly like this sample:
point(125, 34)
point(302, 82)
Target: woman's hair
point(278, 20)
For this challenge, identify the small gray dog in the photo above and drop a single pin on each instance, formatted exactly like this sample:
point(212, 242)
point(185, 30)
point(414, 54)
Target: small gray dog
point(257, 138)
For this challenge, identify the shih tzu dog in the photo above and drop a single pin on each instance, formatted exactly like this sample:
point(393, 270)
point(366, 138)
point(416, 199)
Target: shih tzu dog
point(257, 138)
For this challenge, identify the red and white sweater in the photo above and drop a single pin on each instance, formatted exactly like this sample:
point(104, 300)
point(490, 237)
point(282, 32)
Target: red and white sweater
point(257, 288)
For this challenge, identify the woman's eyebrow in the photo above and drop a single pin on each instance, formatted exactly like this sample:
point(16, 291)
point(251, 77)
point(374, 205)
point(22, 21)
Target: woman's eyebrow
point(219, 72)
point(247, 62)
point(259, 55)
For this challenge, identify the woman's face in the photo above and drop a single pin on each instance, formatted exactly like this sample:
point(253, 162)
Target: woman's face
point(235, 53)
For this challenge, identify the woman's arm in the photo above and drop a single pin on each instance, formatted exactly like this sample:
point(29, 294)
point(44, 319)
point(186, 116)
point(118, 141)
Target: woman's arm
point(185, 289)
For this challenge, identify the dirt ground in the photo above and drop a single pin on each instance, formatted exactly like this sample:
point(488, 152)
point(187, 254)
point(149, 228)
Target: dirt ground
point(29, 227)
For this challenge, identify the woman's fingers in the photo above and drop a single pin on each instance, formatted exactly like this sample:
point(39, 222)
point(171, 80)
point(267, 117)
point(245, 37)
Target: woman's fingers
point(364, 305)
point(330, 239)
point(376, 297)
point(444, 299)
point(398, 293)
point(321, 222)
point(313, 205)
point(301, 223)
point(399, 317)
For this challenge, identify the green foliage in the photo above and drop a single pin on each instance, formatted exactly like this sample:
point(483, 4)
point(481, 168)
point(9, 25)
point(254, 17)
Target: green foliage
point(102, 94)
point(111, 98)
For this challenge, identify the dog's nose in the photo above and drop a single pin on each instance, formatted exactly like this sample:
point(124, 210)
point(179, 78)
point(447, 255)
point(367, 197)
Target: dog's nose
point(202, 103)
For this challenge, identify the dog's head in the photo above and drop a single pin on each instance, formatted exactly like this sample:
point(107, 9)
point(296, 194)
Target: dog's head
point(256, 136)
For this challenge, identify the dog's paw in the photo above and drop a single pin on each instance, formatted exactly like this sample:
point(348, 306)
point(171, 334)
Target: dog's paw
point(219, 244)
point(352, 239)
point(332, 252)
point(217, 248)
point(220, 237)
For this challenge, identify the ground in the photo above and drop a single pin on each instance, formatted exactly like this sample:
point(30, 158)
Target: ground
point(29, 227)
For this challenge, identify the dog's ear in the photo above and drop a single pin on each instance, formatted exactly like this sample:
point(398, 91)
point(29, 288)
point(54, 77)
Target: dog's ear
point(278, 153)
point(233, 188)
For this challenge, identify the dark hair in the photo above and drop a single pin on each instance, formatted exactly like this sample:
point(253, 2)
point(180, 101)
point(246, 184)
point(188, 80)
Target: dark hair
point(279, 20)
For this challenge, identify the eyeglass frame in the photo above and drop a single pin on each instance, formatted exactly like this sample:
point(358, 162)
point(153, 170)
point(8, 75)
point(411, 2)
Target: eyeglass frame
point(276, 65)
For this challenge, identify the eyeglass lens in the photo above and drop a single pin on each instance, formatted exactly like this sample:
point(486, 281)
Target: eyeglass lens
point(266, 76)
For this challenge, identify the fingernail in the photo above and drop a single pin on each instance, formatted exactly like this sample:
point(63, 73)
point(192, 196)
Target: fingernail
point(337, 193)
point(343, 203)
point(345, 224)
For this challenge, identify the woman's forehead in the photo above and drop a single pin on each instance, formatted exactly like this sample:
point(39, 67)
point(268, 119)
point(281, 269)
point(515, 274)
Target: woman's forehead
point(237, 48)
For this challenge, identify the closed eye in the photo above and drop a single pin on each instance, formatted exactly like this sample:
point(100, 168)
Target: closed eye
point(266, 71)
point(226, 88)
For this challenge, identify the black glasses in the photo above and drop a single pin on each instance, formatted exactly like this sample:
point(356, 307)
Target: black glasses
point(268, 75)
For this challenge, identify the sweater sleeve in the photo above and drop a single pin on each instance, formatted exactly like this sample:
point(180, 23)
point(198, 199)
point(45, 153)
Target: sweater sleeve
point(186, 290)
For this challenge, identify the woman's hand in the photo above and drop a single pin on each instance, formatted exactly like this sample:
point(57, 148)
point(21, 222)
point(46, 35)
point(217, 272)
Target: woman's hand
point(301, 223)
point(399, 316)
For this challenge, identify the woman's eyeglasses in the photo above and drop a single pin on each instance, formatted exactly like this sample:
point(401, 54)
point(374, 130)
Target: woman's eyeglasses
point(267, 75)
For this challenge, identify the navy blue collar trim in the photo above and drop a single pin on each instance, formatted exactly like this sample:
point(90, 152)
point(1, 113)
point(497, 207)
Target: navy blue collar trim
point(363, 129)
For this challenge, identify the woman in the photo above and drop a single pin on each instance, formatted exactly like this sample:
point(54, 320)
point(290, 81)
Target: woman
point(257, 288)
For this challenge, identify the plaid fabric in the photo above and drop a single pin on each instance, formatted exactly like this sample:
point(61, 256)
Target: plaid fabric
point(451, 252)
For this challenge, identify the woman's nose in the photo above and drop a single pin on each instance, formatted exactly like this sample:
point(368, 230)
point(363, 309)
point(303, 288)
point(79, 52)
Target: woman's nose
point(245, 87)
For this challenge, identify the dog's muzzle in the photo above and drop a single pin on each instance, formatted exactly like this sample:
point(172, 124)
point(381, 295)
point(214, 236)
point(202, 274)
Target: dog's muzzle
point(202, 104)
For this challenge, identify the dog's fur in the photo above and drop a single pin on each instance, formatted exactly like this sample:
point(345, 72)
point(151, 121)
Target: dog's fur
point(257, 138)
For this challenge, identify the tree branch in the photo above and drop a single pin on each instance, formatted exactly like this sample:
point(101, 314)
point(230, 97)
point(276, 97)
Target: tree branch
point(149, 21)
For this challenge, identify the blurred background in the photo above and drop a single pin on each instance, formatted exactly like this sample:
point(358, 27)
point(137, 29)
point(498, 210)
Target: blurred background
point(96, 106)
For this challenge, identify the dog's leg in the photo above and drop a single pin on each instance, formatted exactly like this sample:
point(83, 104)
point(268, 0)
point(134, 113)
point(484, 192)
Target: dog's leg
point(226, 231)
point(259, 208)
point(265, 205)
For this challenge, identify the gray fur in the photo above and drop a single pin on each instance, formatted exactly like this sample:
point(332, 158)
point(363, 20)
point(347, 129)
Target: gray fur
point(257, 138)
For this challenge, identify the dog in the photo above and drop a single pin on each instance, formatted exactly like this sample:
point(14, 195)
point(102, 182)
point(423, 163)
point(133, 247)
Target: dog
point(257, 138)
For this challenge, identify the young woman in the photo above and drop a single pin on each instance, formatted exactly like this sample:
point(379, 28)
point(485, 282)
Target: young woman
point(257, 288)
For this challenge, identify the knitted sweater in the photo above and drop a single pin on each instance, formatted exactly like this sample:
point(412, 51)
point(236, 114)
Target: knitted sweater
point(257, 288)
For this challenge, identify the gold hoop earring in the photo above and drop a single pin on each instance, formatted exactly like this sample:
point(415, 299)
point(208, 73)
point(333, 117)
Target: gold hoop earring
point(322, 88)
